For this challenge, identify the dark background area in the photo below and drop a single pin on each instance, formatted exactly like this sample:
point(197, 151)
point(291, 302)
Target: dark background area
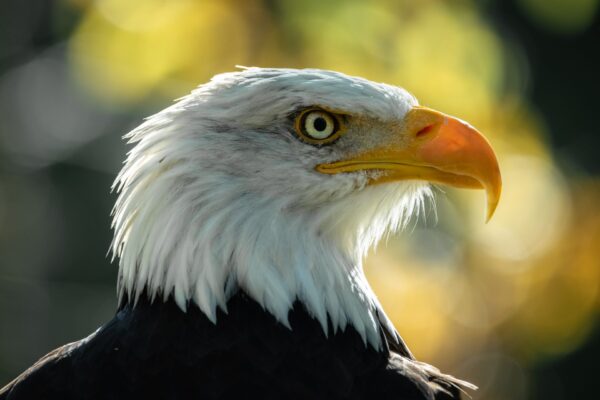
point(563, 83)
point(564, 87)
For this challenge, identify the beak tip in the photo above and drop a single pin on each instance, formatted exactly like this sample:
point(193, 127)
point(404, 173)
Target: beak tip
point(493, 198)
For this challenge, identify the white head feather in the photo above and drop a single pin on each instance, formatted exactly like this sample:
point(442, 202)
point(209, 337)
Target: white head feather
point(219, 195)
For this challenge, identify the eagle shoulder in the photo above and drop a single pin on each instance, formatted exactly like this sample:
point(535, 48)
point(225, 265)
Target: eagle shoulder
point(154, 350)
point(47, 375)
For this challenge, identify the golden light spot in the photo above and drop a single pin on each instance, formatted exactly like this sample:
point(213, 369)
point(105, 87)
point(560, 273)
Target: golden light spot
point(122, 52)
point(533, 213)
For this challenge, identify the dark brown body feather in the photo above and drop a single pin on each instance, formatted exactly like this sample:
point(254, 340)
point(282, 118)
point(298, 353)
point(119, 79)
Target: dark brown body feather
point(156, 351)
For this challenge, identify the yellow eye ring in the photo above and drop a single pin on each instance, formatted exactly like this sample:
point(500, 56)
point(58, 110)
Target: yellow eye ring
point(317, 126)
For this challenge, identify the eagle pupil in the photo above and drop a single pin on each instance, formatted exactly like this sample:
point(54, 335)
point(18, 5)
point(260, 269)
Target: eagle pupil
point(320, 124)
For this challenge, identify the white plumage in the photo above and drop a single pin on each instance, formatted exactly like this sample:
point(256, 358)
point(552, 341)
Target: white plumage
point(218, 193)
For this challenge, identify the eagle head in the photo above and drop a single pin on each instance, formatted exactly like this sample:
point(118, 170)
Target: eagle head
point(276, 182)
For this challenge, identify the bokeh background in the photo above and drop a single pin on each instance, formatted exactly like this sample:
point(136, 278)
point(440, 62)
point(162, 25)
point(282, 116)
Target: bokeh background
point(511, 305)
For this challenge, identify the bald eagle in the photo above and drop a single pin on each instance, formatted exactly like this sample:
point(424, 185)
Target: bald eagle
point(244, 212)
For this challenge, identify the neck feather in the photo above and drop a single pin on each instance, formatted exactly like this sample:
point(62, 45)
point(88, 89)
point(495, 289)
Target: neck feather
point(202, 240)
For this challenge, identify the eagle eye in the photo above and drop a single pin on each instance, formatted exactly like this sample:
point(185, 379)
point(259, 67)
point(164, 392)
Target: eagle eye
point(317, 126)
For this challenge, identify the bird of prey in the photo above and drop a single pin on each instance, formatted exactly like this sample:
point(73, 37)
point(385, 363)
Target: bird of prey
point(243, 215)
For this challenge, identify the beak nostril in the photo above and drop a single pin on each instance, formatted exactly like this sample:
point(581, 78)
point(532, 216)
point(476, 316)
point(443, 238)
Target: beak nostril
point(425, 130)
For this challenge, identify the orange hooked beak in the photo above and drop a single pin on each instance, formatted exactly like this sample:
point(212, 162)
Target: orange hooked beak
point(435, 148)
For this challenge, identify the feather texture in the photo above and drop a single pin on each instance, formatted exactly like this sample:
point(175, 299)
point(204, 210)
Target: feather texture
point(156, 351)
point(217, 191)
